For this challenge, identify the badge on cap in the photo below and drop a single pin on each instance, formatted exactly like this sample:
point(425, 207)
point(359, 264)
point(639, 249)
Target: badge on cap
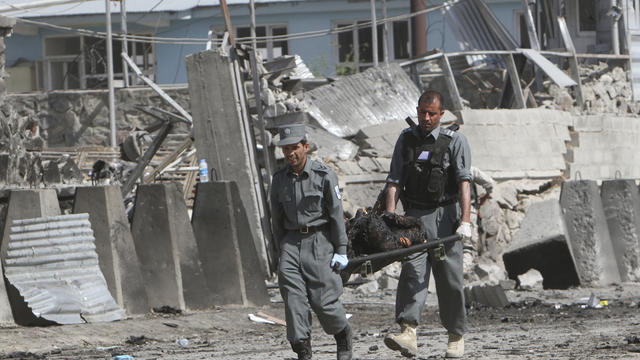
point(287, 131)
point(337, 189)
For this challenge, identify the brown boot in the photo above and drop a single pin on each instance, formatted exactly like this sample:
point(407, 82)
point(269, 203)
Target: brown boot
point(406, 342)
point(455, 347)
point(302, 348)
point(344, 342)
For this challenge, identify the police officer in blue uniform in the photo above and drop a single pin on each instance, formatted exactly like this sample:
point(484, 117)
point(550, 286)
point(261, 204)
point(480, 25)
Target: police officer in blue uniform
point(430, 172)
point(308, 223)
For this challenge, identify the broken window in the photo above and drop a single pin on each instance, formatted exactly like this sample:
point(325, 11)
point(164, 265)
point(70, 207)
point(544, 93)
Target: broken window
point(62, 54)
point(355, 47)
point(269, 48)
point(587, 15)
point(79, 62)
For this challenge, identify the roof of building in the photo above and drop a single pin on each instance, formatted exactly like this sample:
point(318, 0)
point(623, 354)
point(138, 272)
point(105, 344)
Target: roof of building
point(86, 7)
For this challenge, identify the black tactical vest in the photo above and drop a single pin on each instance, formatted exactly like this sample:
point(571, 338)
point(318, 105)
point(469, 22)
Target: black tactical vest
point(427, 183)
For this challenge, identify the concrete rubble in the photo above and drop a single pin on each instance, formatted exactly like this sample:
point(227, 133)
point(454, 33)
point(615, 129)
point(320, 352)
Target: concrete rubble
point(353, 124)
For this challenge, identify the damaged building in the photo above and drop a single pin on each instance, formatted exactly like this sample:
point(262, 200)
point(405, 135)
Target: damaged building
point(544, 91)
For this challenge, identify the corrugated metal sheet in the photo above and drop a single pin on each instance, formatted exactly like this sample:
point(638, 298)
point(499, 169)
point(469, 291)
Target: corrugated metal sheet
point(372, 97)
point(477, 28)
point(53, 263)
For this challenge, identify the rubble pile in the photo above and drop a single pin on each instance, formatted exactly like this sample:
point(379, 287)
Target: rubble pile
point(605, 89)
point(282, 85)
point(500, 218)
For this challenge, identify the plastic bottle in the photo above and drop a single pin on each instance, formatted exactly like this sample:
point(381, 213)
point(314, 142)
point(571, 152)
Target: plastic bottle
point(183, 342)
point(204, 171)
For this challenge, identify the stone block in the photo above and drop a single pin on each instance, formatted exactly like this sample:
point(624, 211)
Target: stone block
point(167, 249)
point(487, 295)
point(541, 243)
point(226, 248)
point(588, 231)
point(621, 204)
point(114, 244)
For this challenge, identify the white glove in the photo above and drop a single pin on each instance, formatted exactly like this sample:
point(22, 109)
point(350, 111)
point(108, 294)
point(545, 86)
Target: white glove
point(465, 230)
point(339, 261)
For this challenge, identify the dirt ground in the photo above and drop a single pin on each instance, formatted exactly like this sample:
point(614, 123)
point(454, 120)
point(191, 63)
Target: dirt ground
point(540, 324)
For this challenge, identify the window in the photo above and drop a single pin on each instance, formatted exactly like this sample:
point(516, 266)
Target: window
point(270, 48)
point(79, 62)
point(355, 50)
point(587, 15)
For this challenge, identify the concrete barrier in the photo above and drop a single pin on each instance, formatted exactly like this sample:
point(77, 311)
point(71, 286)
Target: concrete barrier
point(227, 251)
point(621, 203)
point(542, 243)
point(114, 244)
point(23, 204)
point(588, 233)
point(167, 248)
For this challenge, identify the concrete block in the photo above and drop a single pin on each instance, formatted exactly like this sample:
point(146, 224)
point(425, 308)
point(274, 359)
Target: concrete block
point(114, 244)
point(487, 295)
point(621, 203)
point(219, 126)
point(167, 248)
point(23, 204)
point(348, 168)
point(588, 231)
point(227, 251)
point(541, 243)
point(369, 165)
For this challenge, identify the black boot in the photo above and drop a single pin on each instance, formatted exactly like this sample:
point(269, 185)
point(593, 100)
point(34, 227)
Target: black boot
point(303, 349)
point(344, 342)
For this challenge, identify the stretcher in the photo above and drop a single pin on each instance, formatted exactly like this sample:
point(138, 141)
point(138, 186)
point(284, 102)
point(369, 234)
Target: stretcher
point(369, 264)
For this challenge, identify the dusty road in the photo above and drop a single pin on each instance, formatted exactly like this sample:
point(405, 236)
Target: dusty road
point(540, 324)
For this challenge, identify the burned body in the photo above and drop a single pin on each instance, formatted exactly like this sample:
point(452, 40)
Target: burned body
point(369, 233)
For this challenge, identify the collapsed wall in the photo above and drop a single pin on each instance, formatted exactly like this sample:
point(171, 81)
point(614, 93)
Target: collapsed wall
point(81, 117)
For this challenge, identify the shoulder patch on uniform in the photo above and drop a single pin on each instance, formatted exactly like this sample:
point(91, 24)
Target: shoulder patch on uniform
point(337, 190)
point(318, 166)
point(447, 132)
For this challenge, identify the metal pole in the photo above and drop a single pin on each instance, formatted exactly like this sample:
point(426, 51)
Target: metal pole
point(252, 16)
point(418, 29)
point(257, 91)
point(374, 33)
point(385, 34)
point(615, 39)
point(125, 47)
point(112, 100)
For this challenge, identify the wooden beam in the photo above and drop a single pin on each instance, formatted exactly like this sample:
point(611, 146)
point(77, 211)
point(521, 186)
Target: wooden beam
point(167, 161)
point(515, 82)
point(146, 158)
point(456, 101)
point(227, 21)
point(573, 60)
point(156, 88)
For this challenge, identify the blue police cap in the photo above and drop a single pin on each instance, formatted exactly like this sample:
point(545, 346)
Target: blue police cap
point(291, 134)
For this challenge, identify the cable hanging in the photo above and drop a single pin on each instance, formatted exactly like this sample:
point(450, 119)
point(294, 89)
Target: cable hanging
point(201, 41)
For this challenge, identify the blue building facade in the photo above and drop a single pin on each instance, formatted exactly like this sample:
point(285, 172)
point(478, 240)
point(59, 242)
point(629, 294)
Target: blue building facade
point(39, 57)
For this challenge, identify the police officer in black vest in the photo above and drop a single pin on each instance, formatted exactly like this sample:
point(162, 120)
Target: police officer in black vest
point(430, 172)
